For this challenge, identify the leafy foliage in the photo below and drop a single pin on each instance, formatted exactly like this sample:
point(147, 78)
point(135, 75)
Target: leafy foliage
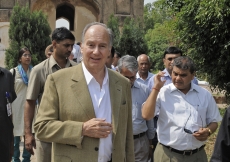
point(131, 38)
point(30, 29)
point(162, 34)
point(204, 29)
point(113, 24)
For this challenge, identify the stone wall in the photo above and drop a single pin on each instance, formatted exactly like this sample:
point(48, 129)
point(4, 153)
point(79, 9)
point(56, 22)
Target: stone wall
point(86, 11)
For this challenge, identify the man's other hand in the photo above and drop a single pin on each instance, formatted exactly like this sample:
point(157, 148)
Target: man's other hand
point(30, 143)
point(97, 128)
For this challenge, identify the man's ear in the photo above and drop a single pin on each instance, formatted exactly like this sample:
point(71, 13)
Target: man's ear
point(54, 43)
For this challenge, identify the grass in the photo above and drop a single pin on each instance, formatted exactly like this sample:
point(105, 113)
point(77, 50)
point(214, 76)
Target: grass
point(211, 140)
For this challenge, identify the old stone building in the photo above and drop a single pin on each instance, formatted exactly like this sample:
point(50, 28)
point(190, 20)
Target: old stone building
point(77, 12)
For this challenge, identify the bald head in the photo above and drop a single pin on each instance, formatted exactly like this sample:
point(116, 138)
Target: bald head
point(108, 31)
point(143, 64)
point(143, 57)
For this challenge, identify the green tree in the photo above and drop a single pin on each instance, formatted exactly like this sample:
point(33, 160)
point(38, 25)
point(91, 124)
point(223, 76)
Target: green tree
point(158, 39)
point(30, 29)
point(113, 24)
point(132, 40)
point(162, 34)
point(204, 29)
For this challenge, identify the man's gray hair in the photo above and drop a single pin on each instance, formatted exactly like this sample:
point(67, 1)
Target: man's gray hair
point(128, 62)
point(185, 63)
point(109, 31)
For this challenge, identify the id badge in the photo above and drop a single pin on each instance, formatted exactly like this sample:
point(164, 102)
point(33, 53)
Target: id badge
point(9, 109)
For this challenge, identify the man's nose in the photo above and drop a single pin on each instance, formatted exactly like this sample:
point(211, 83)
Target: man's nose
point(96, 50)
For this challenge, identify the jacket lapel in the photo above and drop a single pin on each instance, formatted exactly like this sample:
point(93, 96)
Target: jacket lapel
point(115, 98)
point(81, 92)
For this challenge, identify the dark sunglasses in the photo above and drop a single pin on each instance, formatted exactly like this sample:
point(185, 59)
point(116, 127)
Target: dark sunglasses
point(170, 58)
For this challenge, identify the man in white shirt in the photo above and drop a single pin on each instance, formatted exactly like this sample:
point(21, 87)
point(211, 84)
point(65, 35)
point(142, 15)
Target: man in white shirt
point(188, 114)
point(89, 117)
point(143, 75)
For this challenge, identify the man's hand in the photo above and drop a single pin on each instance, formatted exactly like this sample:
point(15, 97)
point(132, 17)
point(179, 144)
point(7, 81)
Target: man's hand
point(202, 134)
point(96, 128)
point(158, 81)
point(30, 143)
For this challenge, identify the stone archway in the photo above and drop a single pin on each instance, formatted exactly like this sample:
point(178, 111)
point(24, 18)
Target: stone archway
point(77, 12)
point(66, 11)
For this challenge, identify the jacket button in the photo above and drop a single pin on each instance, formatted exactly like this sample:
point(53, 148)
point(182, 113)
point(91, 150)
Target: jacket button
point(96, 149)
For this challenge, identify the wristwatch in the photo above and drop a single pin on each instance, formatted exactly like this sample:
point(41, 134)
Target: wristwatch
point(209, 130)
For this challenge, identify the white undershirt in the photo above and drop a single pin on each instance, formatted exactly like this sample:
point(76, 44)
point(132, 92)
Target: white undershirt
point(102, 107)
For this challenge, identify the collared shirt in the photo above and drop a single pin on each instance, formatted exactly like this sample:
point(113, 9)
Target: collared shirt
point(102, 106)
point(177, 111)
point(39, 74)
point(146, 81)
point(168, 79)
point(140, 93)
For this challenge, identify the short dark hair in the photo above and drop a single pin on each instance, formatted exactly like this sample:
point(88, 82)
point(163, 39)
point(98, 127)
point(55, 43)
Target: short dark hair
point(21, 52)
point(62, 33)
point(172, 50)
point(112, 51)
point(118, 54)
point(184, 63)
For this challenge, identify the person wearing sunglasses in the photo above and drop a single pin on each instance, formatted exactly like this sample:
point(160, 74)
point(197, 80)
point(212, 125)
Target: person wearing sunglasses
point(188, 114)
point(169, 55)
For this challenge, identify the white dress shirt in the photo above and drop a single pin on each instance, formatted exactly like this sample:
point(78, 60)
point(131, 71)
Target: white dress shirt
point(177, 111)
point(102, 106)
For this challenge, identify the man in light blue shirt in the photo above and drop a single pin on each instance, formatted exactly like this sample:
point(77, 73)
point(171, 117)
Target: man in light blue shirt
point(169, 55)
point(143, 130)
point(143, 75)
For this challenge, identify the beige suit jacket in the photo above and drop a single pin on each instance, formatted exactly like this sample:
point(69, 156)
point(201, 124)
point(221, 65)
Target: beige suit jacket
point(66, 104)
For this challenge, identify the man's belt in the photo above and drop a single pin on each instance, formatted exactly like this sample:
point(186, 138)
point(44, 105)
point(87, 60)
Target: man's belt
point(185, 152)
point(138, 135)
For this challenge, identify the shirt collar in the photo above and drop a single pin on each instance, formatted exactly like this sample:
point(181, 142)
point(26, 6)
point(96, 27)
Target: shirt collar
point(138, 76)
point(89, 77)
point(166, 73)
point(135, 84)
point(52, 62)
point(192, 88)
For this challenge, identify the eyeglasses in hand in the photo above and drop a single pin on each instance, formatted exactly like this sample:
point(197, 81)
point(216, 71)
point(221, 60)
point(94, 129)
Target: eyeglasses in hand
point(189, 131)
